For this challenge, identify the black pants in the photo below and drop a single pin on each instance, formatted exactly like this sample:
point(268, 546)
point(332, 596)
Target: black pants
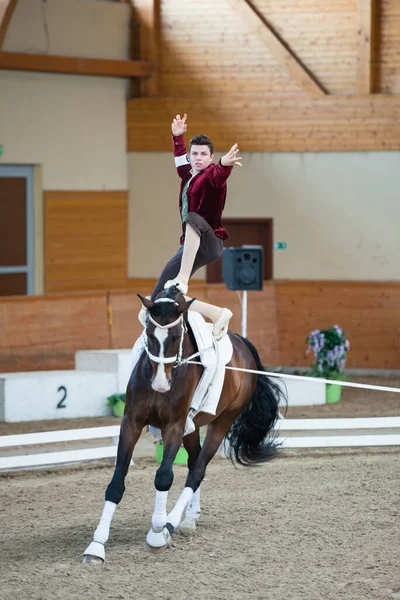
point(210, 250)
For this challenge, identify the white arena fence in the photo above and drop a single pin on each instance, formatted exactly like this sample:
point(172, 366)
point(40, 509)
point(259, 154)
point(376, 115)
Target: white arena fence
point(27, 461)
point(35, 460)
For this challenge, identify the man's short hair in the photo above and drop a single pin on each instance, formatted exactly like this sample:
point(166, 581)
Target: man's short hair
point(201, 140)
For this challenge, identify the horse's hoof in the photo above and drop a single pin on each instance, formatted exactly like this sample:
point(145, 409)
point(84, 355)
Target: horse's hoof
point(159, 550)
point(93, 561)
point(158, 541)
point(187, 527)
point(94, 554)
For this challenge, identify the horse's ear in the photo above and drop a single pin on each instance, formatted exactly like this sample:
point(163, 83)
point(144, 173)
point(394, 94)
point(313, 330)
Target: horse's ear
point(183, 305)
point(146, 301)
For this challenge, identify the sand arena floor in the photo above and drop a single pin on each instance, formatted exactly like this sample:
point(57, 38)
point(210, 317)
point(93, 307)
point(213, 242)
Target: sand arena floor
point(310, 525)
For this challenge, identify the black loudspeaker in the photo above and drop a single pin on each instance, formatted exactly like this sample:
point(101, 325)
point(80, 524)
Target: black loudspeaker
point(243, 268)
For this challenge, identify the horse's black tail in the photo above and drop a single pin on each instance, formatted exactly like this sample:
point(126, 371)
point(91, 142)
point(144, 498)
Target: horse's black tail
point(251, 437)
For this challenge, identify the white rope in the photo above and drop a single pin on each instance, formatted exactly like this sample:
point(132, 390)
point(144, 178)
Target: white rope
point(365, 386)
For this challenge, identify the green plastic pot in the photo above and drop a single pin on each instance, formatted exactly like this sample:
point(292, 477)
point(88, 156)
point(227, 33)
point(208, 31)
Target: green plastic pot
point(332, 393)
point(180, 459)
point(118, 409)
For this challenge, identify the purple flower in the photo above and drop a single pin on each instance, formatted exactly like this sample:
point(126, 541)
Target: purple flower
point(327, 359)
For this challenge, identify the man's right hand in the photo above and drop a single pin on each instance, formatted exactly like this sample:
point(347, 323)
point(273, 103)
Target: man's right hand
point(179, 125)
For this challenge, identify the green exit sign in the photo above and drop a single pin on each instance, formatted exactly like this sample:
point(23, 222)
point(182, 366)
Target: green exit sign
point(280, 245)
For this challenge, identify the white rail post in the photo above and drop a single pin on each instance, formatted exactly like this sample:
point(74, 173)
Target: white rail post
point(244, 313)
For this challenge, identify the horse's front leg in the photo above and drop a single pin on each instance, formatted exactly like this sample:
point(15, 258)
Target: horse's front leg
point(159, 536)
point(129, 435)
point(193, 447)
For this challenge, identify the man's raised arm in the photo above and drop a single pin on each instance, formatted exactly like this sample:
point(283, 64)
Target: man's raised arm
point(224, 168)
point(179, 128)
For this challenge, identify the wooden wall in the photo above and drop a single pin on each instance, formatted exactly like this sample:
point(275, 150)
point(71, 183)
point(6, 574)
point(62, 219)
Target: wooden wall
point(209, 47)
point(86, 240)
point(289, 124)
point(44, 332)
point(214, 64)
point(369, 312)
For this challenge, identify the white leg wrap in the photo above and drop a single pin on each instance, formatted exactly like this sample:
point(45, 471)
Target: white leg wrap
point(155, 433)
point(159, 518)
point(193, 509)
point(175, 516)
point(103, 529)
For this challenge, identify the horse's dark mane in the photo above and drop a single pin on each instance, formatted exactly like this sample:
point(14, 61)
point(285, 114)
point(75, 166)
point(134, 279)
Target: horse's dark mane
point(167, 309)
point(164, 309)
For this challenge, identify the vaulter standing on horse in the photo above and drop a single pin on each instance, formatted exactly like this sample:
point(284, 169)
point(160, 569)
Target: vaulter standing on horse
point(243, 407)
point(201, 202)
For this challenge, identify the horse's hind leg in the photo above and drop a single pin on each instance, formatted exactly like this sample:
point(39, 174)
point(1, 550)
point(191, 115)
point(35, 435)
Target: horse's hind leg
point(215, 435)
point(129, 435)
point(193, 448)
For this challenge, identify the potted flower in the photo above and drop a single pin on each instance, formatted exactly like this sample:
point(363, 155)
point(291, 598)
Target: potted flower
point(330, 347)
point(117, 403)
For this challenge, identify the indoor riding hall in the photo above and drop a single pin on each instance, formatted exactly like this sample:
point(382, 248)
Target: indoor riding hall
point(309, 90)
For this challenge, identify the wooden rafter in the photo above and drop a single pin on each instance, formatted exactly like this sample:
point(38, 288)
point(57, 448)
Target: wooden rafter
point(286, 57)
point(45, 63)
point(366, 23)
point(148, 12)
point(7, 8)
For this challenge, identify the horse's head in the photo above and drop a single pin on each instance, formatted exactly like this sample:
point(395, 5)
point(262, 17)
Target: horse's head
point(165, 331)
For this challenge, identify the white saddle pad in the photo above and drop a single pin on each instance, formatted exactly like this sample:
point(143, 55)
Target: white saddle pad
point(214, 356)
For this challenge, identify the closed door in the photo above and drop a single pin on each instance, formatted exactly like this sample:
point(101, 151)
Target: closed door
point(16, 235)
point(256, 232)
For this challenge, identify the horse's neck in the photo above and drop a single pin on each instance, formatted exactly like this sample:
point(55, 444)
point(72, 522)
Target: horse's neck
point(189, 343)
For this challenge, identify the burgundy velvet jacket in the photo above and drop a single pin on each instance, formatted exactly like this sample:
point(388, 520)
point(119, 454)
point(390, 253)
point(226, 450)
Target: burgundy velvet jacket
point(206, 193)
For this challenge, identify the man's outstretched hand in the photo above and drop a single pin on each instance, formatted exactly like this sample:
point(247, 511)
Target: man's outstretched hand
point(231, 158)
point(179, 125)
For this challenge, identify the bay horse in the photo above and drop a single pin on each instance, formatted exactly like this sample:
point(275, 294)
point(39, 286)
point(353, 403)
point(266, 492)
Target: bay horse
point(159, 393)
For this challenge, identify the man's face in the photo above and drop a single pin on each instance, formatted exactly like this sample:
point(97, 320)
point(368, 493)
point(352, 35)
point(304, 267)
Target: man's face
point(200, 157)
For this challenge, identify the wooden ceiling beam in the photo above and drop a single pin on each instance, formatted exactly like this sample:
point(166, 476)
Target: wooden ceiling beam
point(15, 61)
point(367, 21)
point(286, 57)
point(7, 8)
point(148, 14)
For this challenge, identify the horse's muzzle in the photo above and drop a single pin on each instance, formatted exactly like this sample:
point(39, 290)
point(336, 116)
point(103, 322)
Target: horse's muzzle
point(161, 388)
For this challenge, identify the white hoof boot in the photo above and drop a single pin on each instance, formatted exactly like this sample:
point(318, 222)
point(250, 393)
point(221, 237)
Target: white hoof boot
point(94, 553)
point(187, 527)
point(181, 285)
point(221, 325)
point(159, 539)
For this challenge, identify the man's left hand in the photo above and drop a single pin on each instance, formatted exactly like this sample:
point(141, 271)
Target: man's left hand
point(231, 158)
